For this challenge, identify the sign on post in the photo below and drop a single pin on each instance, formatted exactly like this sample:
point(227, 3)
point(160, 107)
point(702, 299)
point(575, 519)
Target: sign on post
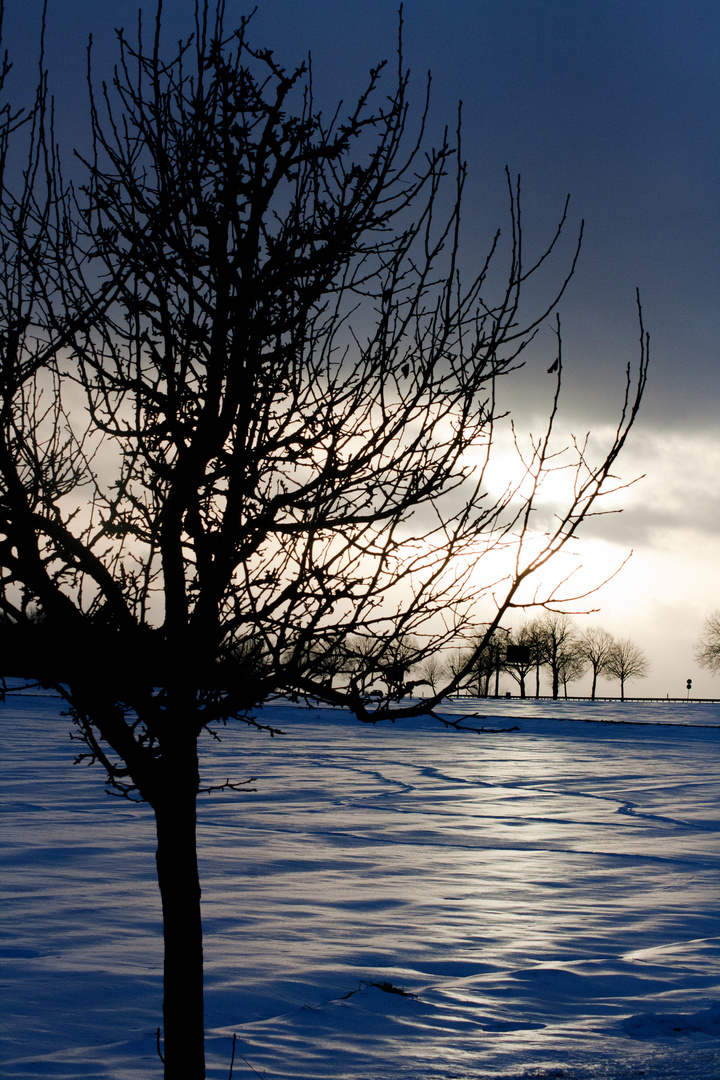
point(518, 654)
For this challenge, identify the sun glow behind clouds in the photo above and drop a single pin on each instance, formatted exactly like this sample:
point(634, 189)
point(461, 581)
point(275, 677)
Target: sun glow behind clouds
point(653, 541)
point(540, 485)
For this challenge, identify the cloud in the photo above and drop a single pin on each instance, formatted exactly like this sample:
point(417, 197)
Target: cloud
point(678, 496)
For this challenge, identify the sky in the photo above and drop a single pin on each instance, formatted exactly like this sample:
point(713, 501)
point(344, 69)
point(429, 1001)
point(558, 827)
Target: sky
point(616, 103)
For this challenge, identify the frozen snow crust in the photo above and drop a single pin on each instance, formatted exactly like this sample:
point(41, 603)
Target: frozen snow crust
point(548, 898)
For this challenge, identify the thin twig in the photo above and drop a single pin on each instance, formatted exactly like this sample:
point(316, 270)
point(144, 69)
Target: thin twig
point(250, 1066)
point(232, 1059)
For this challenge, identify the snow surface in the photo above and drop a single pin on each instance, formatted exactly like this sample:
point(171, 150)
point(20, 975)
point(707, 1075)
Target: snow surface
point(548, 897)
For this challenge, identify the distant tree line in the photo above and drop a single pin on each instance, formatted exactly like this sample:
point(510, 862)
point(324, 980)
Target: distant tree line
point(391, 668)
point(399, 666)
point(553, 643)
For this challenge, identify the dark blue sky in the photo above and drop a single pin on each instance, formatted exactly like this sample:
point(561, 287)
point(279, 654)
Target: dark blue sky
point(614, 101)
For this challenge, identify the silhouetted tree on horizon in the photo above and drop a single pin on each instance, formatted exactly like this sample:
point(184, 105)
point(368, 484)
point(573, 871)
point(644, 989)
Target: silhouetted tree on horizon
point(573, 665)
point(433, 671)
point(488, 651)
point(557, 638)
point(242, 385)
point(596, 647)
point(526, 637)
point(626, 661)
point(707, 649)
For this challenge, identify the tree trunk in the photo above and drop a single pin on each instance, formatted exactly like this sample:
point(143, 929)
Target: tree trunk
point(594, 684)
point(178, 878)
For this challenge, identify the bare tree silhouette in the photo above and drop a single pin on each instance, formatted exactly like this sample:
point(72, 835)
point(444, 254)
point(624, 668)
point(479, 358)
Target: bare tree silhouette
point(626, 661)
point(522, 657)
point(242, 381)
point(433, 672)
point(557, 640)
point(707, 650)
point(596, 647)
point(573, 665)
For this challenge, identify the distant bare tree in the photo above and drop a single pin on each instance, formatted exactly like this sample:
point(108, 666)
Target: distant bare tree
point(457, 670)
point(433, 672)
point(626, 661)
point(536, 640)
point(244, 391)
point(596, 646)
point(488, 661)
point(707, 650)
point(573, 665)
point(523, 663)
point(557, 638)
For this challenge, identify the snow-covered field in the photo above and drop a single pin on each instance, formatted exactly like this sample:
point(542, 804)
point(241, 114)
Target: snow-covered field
point(549, 897)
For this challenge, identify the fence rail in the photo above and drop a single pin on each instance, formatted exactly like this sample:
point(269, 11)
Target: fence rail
point(598, 697)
